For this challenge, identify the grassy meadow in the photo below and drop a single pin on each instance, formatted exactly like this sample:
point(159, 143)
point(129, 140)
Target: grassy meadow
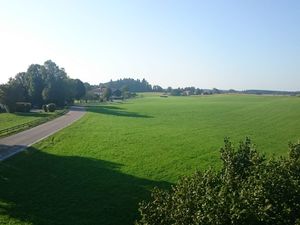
point(16, 122)
point(98, 169)
point(8, 120)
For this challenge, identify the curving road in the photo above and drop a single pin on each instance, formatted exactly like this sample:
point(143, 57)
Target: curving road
point(13, 144)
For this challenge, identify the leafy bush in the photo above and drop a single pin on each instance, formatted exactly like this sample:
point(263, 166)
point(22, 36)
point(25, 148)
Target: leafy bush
point(2, 108)
point(51, 107)
point(23, 106)
point(248, 190)
point(45, 108)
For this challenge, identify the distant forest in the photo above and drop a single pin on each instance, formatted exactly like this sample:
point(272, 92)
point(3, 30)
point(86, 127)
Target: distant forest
point(48, 83)
point(133, 85)
point(129, 84)
point(198, 91)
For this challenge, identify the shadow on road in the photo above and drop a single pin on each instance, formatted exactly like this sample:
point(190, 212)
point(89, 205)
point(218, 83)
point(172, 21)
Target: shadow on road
point(7, 150)
point(41, 188)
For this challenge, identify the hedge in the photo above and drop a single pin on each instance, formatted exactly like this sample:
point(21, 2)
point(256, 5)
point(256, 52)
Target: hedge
point(248, 190)
point(23, 106)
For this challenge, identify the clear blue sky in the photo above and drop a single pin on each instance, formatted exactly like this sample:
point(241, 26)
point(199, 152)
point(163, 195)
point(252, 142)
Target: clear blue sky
point(243, 44)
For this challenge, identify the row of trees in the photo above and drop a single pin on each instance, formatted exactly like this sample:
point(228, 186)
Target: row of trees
point(268, 92)
point(143, 86)
point(132, 85)
point(41, 84)
point(192, 91)
point(107, 94)
point(198, 91)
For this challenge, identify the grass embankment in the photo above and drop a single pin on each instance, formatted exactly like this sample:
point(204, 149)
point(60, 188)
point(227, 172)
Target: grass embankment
point(16, 122)
point(97, 170)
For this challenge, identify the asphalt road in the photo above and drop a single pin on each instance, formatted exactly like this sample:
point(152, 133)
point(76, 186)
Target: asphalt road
point(13, 144)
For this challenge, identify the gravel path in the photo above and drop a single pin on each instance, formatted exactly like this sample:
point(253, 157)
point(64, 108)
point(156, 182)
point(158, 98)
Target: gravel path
point(13, 144)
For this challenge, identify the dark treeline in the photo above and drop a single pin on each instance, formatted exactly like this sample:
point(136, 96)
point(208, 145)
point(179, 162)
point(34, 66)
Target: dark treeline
point(197, 91)
point(41, 84)
point(129, 84)
point(47, 83)
point(268, 92)
point(143, 86)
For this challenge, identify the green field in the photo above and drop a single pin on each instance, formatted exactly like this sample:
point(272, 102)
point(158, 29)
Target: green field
point(8, 120)
point(15, 122)
point(97, 170)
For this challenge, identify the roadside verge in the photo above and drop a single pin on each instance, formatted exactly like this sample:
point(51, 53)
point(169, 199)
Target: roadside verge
point(15, 143)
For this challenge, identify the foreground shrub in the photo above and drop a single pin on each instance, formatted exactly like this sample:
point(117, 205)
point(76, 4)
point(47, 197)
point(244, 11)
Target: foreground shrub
point(51, 107)
point(10, 108)
point(2, 109)
point(248, 190)
point(45, 108)
point(23, 106)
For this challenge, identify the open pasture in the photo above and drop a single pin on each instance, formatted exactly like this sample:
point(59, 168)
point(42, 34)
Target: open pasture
point(16, 122)
point(8, 120)
point(97, 170)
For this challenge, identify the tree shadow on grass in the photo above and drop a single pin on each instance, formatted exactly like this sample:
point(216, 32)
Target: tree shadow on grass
point(115, 111)
point(41, 188)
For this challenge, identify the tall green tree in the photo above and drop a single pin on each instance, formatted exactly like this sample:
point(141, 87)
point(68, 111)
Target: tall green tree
point(107, 93)
point(56, 87)
point(21, 80)
point(157, 88)
point(11, 93)
point(35, 83)
point(42, 84)
point(79, 89)
point(75, 89)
